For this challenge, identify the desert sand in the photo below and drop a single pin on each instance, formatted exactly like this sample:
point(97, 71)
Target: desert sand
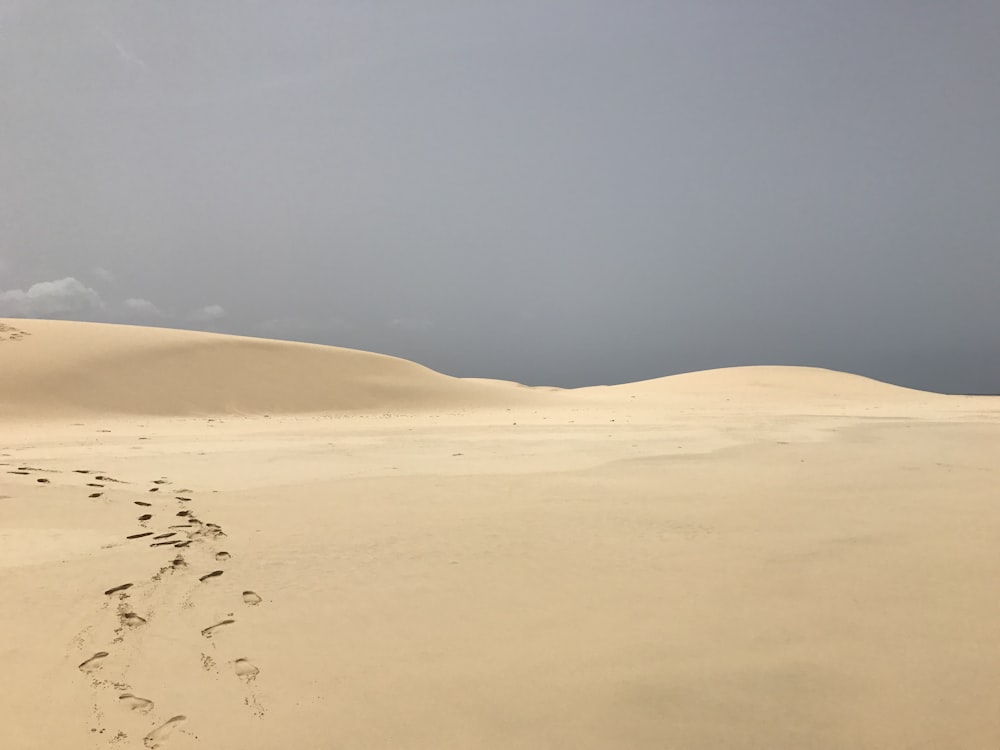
point(218, 542)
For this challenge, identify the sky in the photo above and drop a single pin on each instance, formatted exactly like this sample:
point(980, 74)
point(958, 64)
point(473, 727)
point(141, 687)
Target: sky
point(560, 193)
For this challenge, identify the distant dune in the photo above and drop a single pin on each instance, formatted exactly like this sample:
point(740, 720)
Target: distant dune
point(52, 368)
point(769, 382)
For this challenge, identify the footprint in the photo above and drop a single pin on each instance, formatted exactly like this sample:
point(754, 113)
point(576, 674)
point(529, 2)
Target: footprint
point(161, 734)
point(159, 481)
point(222, 556)
point(252, 598)
point(94, 662)
point(139, 536)
point(184, 544)
point(213, 574)
point(183, 513)
point(133, 620)
point(140, 502)
point(135, 703)
point(245, 670)
point(116, 589)
point(42, 480)
point(145, 516)
point(207, 632)
point(184, 499)
point(82, 471)
point(95, 494)
point(166, 535)
point(164, 544)
point(154, 489)
point(179, 562)
point(94, 484)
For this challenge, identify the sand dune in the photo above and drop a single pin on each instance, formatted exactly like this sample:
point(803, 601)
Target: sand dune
point(64, 368)
point(58, 367)
point(777, 558)
point(768, 381)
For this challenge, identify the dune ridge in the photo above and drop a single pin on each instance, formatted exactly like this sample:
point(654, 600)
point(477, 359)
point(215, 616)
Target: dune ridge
point(56, 368)
point(60, 367)
point(763, 382)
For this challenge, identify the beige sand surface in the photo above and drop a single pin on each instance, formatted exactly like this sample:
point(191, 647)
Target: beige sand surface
point(761, 558)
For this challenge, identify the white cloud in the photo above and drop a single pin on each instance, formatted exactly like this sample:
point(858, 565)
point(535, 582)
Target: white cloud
point(209, 312)
point(126, 56)
point(63, 297)
point(104, 274)
point(142, 308)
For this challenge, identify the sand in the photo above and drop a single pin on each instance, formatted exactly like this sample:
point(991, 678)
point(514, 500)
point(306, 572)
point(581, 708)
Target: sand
point(375, 555)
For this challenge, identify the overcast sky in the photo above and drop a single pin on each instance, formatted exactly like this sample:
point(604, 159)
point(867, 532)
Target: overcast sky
point(564, 193)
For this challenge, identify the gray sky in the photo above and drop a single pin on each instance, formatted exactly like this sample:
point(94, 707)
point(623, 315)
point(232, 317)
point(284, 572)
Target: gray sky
point(566, 193)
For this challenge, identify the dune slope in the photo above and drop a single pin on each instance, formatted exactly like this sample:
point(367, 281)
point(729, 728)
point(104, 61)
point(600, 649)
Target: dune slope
point(56, 368)
point(59, 367)
point(760, 383)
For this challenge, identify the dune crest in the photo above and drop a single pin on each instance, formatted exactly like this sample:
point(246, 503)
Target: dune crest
point(769, 381)
point(55, 368)
point(61, 368)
